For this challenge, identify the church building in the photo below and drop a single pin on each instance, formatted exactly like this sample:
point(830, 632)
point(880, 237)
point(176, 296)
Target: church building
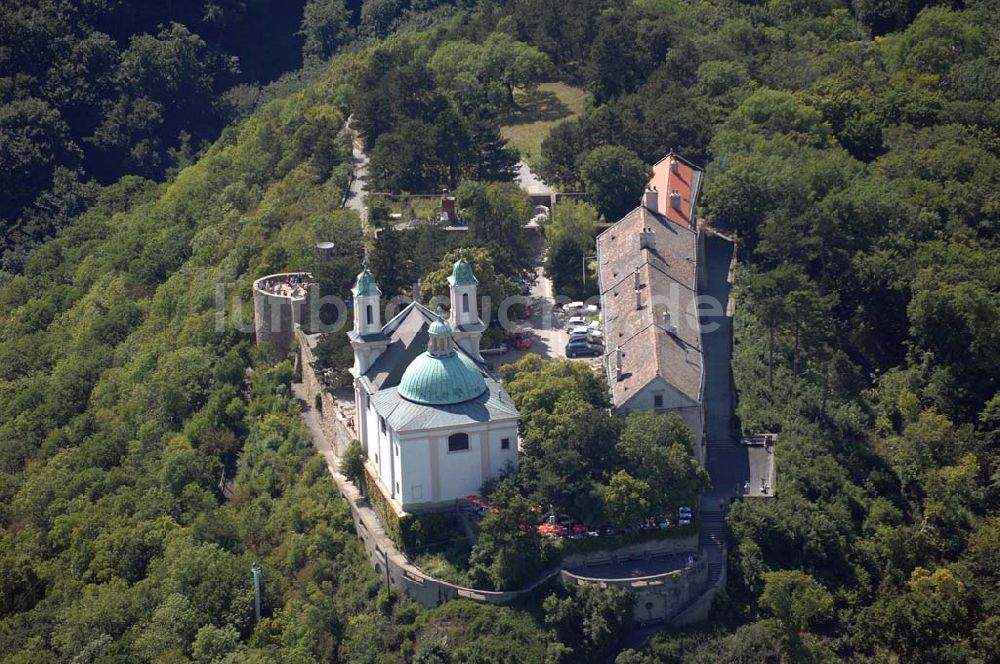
point(433, 423)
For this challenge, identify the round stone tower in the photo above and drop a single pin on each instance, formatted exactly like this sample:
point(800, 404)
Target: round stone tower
point(279, 303)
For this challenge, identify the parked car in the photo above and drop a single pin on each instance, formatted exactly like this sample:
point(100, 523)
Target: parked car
point(573, 307)
point(579, 329)
point(590, 309)
point(684, 515)
point(522, 339)
point(580, 347)
point(575, 321)
point(499, 349)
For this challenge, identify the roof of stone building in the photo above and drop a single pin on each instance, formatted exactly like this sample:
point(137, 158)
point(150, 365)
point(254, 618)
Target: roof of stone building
point(402, 415)
point(442, 375)
point(648, 298)
point(407, 335)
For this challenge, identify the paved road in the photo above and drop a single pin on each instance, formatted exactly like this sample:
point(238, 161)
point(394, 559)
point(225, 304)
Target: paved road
point(546, 323)
point(727, 462)
point(530, 182)
point(356, 194)
point(732, 466)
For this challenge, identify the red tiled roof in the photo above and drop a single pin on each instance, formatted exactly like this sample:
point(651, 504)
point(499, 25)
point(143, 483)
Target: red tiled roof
point(675, 174)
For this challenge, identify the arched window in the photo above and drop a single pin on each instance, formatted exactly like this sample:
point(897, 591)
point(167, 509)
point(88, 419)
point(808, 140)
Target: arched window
point(458, 442)
point(368, 314)
point(465, 303)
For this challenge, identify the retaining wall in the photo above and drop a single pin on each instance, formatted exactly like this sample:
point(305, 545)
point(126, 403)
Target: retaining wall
point(699, 609)
point(659, 597)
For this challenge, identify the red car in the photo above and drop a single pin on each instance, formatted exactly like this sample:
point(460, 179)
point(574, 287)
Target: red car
point(522, 340)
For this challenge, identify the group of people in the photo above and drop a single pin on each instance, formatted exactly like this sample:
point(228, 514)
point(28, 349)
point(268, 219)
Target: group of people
point(292, 285)
point(765, 487)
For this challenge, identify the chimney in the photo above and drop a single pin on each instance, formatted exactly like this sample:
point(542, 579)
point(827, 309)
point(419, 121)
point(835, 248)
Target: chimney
point(618, 362)
point(638, 299)
point(651, 199)
point(668, 323)
point(675, 200)
point(647, 239)
point(675, 166)
point(416, 290)
point(637, 278)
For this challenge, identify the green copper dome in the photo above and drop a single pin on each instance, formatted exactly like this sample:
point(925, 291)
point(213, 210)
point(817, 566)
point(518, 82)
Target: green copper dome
point(365, 284)
point(441, 376)
point(461, 273)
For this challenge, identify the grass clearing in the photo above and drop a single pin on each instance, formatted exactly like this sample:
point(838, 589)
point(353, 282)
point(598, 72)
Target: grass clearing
point(451, 565)
point(540, 110)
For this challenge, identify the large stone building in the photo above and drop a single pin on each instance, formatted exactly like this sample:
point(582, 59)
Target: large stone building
point(649, 271)
point(434, 425)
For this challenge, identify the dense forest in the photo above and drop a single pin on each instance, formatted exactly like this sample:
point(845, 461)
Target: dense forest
point(150, 456)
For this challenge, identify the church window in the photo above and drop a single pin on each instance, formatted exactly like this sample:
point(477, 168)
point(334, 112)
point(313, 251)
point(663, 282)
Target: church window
point(458, 442)
point(505, 444)
point(465, 303)
point(381, 423)
point(368, 314)
point(657, 401)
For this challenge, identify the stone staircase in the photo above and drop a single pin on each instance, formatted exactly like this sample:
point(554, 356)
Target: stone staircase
point(712, 539)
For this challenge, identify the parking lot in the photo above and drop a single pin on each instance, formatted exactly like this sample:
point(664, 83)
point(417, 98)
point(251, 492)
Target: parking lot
point(548, 325)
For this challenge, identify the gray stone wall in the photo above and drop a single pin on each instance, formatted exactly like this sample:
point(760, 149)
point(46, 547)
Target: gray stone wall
point(659, 597)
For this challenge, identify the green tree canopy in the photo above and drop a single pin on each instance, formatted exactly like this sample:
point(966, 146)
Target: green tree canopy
point(795, 599)
point(614, 178)
point(496, 214)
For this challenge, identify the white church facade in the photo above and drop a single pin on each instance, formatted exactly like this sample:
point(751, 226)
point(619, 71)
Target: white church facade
point(433, 423)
